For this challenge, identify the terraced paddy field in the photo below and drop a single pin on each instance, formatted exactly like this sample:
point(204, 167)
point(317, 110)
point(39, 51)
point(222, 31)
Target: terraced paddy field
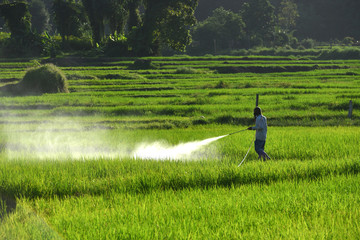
point(69, 169)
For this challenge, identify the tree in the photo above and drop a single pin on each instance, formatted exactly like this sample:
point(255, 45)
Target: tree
point(68, 18)
point(17, 18)
point(117, 16)
point(165, 22)
point(287, 15)
point(95, 12)
point(22, 40)
point(111, 12)
point(40, 16)
point(134, 19)
point(223, 30)
point(206, 7)
point(259, 19)
point(175, 26)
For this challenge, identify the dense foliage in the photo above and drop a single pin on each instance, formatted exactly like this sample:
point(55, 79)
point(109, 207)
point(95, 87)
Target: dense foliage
point(284, 23)
point(148, 27)
point(68, 18)
point(223, 30)
point(22, 39)
point(40, 17)
point(318, 19)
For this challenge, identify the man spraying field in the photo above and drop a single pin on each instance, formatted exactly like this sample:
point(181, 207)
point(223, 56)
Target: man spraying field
point(261, 131)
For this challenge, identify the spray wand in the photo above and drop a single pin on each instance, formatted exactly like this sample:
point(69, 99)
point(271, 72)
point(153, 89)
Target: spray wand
point(249, 147)
point(237, 132)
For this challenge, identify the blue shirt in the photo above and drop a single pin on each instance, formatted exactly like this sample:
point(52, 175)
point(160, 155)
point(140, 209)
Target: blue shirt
point(260, 127)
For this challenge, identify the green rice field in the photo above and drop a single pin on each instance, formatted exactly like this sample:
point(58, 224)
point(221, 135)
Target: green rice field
point(69, 167)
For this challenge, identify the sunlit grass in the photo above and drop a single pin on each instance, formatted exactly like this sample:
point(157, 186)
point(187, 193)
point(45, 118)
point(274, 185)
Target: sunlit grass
point(67, 159)
point(325, 208)
point(297, 153)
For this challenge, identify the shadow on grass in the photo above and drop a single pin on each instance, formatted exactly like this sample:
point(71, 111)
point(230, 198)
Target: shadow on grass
point(7, 205)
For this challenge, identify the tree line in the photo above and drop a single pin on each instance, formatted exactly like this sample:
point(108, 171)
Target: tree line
point(130, 27)
point(150, 27)
point(318, 19)
point(274, 23)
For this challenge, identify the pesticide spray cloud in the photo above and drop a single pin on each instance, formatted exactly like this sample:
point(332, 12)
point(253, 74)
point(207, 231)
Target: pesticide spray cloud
point(68, 139)
point(161, 151)
point(59, 139)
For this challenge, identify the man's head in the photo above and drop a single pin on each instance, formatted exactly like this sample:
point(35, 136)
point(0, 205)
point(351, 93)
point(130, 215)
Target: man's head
point(257, 111)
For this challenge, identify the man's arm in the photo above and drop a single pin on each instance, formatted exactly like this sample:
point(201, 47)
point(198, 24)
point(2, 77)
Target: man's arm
point(257, 126)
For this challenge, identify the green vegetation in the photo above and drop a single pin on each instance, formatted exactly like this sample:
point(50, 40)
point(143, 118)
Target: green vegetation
point(182, 89)
point(43, 79)
point(160, 27)
point(222, 213)
point(67, 165)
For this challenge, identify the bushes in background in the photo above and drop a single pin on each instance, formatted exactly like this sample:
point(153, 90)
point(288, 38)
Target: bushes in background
point(333, 53)
point(341, 53)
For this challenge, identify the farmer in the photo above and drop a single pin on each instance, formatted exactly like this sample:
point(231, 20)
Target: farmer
point(261, 130)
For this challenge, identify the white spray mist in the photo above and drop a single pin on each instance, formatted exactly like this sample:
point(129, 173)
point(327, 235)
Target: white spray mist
point(161, 151)
point(60, 139)
point(67, 139)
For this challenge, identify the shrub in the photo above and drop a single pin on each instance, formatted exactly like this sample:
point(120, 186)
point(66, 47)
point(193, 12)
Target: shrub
point(143, 64)
point(348, 41)
point(262, 51)
point(248, 85)
point(341, 53)
point(239, 52)
point(116, 45)
point(43, 79)
point(225, 119)
point(186, 70)
point(200, 121)
point(308, 43)
point(29, 46)
point(4, 37)
point(77, 44)
point(222, 84)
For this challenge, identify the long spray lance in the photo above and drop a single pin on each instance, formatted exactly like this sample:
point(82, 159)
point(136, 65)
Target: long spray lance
point(237, 132)
point(246, 153)
point(247, 150)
